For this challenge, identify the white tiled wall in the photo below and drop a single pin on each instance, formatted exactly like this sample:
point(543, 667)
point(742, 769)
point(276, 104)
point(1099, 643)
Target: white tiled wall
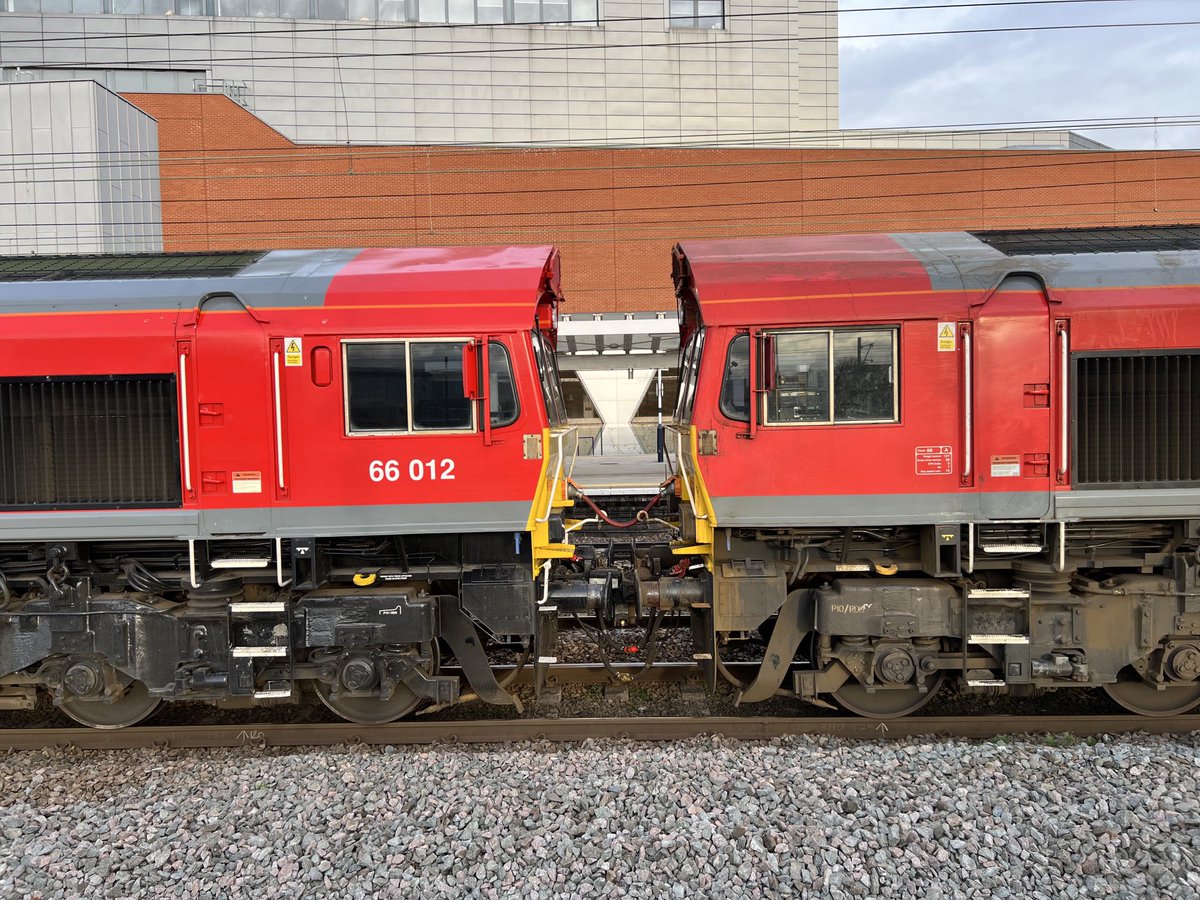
point(771, 72)
point(80, 174)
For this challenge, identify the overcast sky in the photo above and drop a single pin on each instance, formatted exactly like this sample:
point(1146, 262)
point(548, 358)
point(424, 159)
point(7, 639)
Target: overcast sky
point(952, 79)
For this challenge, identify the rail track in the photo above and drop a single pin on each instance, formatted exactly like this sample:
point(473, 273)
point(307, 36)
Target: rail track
point(659, 728)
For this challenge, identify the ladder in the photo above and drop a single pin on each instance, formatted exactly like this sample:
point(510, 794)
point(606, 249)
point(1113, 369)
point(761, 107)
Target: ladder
point(260, 635)
point(988, 638)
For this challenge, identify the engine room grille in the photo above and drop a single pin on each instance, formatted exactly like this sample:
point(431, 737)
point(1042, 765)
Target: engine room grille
point(1149, 238)
point(124, 265)
point(67, 443)
point(1135, 420)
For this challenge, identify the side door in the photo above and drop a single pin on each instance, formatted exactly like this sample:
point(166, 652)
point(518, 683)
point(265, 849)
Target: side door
point(235, 400)
point(1013, 415)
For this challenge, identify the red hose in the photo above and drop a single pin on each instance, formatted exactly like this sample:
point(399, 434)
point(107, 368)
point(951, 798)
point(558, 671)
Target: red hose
point(604, 517)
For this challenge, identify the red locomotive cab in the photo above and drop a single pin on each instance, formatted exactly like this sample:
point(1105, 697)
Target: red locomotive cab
point(355, 455)
point(925, 453)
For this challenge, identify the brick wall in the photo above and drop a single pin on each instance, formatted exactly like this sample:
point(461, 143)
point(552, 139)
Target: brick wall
point(231, 182)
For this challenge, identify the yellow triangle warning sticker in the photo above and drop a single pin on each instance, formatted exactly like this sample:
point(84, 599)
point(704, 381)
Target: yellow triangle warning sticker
point(292, 352)
point(946, 338)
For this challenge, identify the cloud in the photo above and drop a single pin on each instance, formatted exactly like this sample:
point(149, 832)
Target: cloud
point(1020, 76)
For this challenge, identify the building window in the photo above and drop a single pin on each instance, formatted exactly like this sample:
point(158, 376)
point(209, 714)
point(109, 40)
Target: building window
point(697, 13)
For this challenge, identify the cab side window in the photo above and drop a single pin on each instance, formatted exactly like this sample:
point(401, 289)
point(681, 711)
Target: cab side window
point(502, 392)
point(551, 385)
point(801, 379)
point(377, 387)
point(735, 387)
point(405, 386)
point(834, 376)
point(438, 403)
point(825, 376)
point(689, 371)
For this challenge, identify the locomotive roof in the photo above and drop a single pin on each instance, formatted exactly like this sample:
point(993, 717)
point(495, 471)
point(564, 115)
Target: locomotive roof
point(728, 277)
point(501, 285)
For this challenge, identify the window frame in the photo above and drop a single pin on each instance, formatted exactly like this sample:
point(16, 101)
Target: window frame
point(764, 407)
point(348, 431)
point(689, 374)
point(512, 375)
point(692, 23)
point(721, 406)
point(545, 361)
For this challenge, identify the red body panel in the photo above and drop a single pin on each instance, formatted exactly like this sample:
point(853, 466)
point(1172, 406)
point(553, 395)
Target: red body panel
point(235, 359)
point(1016, 390)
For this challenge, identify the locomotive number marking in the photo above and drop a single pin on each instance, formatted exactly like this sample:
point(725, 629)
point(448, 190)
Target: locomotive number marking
point(418, 470)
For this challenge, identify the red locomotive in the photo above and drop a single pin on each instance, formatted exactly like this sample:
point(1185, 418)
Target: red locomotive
point(919, 456)
point(224, 475)
point(898, 459)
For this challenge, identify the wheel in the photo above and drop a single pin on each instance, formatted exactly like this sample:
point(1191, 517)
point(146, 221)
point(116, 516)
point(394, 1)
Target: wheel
point(887, 703)
point(1131, 692)
point(134, 705)
point(374, 710)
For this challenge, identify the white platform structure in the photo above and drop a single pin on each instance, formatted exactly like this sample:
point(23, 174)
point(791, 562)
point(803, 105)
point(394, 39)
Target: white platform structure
point(619, 358)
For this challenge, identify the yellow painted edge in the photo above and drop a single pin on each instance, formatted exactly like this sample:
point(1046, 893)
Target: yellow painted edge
point(543, 548)
point(706, 529)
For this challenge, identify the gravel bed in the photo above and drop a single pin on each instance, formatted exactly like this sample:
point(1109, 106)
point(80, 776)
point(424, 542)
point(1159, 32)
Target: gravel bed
point(811, 816)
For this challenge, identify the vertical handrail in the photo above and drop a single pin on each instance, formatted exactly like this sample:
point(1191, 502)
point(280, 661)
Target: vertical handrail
point(485, 400)
point(752, 357)
point(968, 407)
point(558, 469)
point(1064, 400)
point(278, 427)
point(687, 484)
point(183, 417)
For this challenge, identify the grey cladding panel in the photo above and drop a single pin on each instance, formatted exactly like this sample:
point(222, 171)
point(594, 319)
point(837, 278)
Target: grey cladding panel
point(961, 261)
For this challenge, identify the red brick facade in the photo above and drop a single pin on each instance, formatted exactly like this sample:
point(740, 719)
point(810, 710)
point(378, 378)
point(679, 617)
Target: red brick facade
point(231, 182)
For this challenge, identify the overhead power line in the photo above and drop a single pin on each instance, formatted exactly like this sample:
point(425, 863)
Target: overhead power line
point(809, 179)
point(494, 48)
point(911, 221)
point(290, 152)
point(617, 217)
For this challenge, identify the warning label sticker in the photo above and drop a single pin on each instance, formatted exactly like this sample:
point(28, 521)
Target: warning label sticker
point(947, 337)
point(938, 460)
point(247, 482)
point(1006, 466)
point(292, 352)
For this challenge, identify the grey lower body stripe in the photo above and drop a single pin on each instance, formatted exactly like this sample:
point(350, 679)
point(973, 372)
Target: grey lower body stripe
point(847, 509)
point(1169, 503)
point(932, 509)
point(308, 521)
point(77, 525)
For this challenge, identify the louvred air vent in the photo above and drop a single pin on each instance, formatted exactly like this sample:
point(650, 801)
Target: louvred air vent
point(106, 441)
point(1136, 421)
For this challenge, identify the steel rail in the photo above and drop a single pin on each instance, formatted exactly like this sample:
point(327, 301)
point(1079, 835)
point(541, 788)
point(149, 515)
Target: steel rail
point(504, 731)
point(595, 673)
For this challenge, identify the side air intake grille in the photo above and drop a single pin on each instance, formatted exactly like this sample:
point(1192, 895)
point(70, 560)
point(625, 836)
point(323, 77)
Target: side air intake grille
point(1136, 423)
point(110, 441)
